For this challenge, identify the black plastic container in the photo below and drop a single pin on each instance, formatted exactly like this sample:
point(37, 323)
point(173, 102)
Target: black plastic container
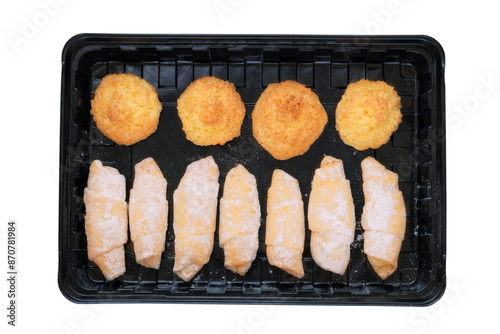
point(414, 65)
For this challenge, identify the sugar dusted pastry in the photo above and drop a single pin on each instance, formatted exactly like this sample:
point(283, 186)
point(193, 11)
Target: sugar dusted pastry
point(331, 216)
point(148, 213)
point(285, 227)
point(383, 218)
point(239, 220)
point(195, 211)
point(106, 219)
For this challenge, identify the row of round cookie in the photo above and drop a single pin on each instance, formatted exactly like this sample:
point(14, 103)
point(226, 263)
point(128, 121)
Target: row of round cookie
point(287, 119)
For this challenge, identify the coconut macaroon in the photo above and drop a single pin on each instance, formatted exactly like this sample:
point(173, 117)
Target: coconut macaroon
point(368, 114)
point(126, 108)
point(287, 119)
point(211, 111)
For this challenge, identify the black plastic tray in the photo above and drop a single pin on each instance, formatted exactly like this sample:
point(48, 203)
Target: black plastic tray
point(414, 65)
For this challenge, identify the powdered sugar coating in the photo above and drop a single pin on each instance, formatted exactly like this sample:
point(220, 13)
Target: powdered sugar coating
point(285, 225)
point(148, 213)
point(239, 220)
point(383, 218)
point(331, 216)
point(106, 219)
point(195, 210)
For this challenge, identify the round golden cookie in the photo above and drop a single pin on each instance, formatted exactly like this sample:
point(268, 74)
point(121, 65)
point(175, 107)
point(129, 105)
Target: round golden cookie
point(211, 111)
point(368, 114)
point(126, 108)
point(287, 119)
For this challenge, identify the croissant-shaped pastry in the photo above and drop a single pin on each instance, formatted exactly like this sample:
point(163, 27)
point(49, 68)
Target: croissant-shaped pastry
point(285, 226)
point(148, 213)
point(383, 218)
point(239, 220)
point(106, 219)
point(195, 212)
point(331, 216)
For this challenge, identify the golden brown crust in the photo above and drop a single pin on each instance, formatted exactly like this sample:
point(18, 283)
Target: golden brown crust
point(211, 111)
point(126, 108)
point(287, 119)
point(368, 114)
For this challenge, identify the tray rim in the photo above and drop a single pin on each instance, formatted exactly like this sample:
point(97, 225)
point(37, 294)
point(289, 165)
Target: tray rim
point(80, 41)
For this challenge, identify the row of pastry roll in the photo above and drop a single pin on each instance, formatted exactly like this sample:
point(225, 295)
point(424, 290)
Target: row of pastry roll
point(332, 223)
point(108, 218)
point(331, 219)
point(195, 211)
point(330, 216)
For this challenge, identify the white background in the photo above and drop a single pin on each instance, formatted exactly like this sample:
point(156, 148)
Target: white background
point(30, 114)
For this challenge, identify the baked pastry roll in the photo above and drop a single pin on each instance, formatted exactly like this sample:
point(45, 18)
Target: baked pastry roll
point(239, 220)
point(211, 111)
point(148, 213)
point(106, 219)
point(195, 211)
point(285, 227)
point(383, 218)
point(331, 216)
